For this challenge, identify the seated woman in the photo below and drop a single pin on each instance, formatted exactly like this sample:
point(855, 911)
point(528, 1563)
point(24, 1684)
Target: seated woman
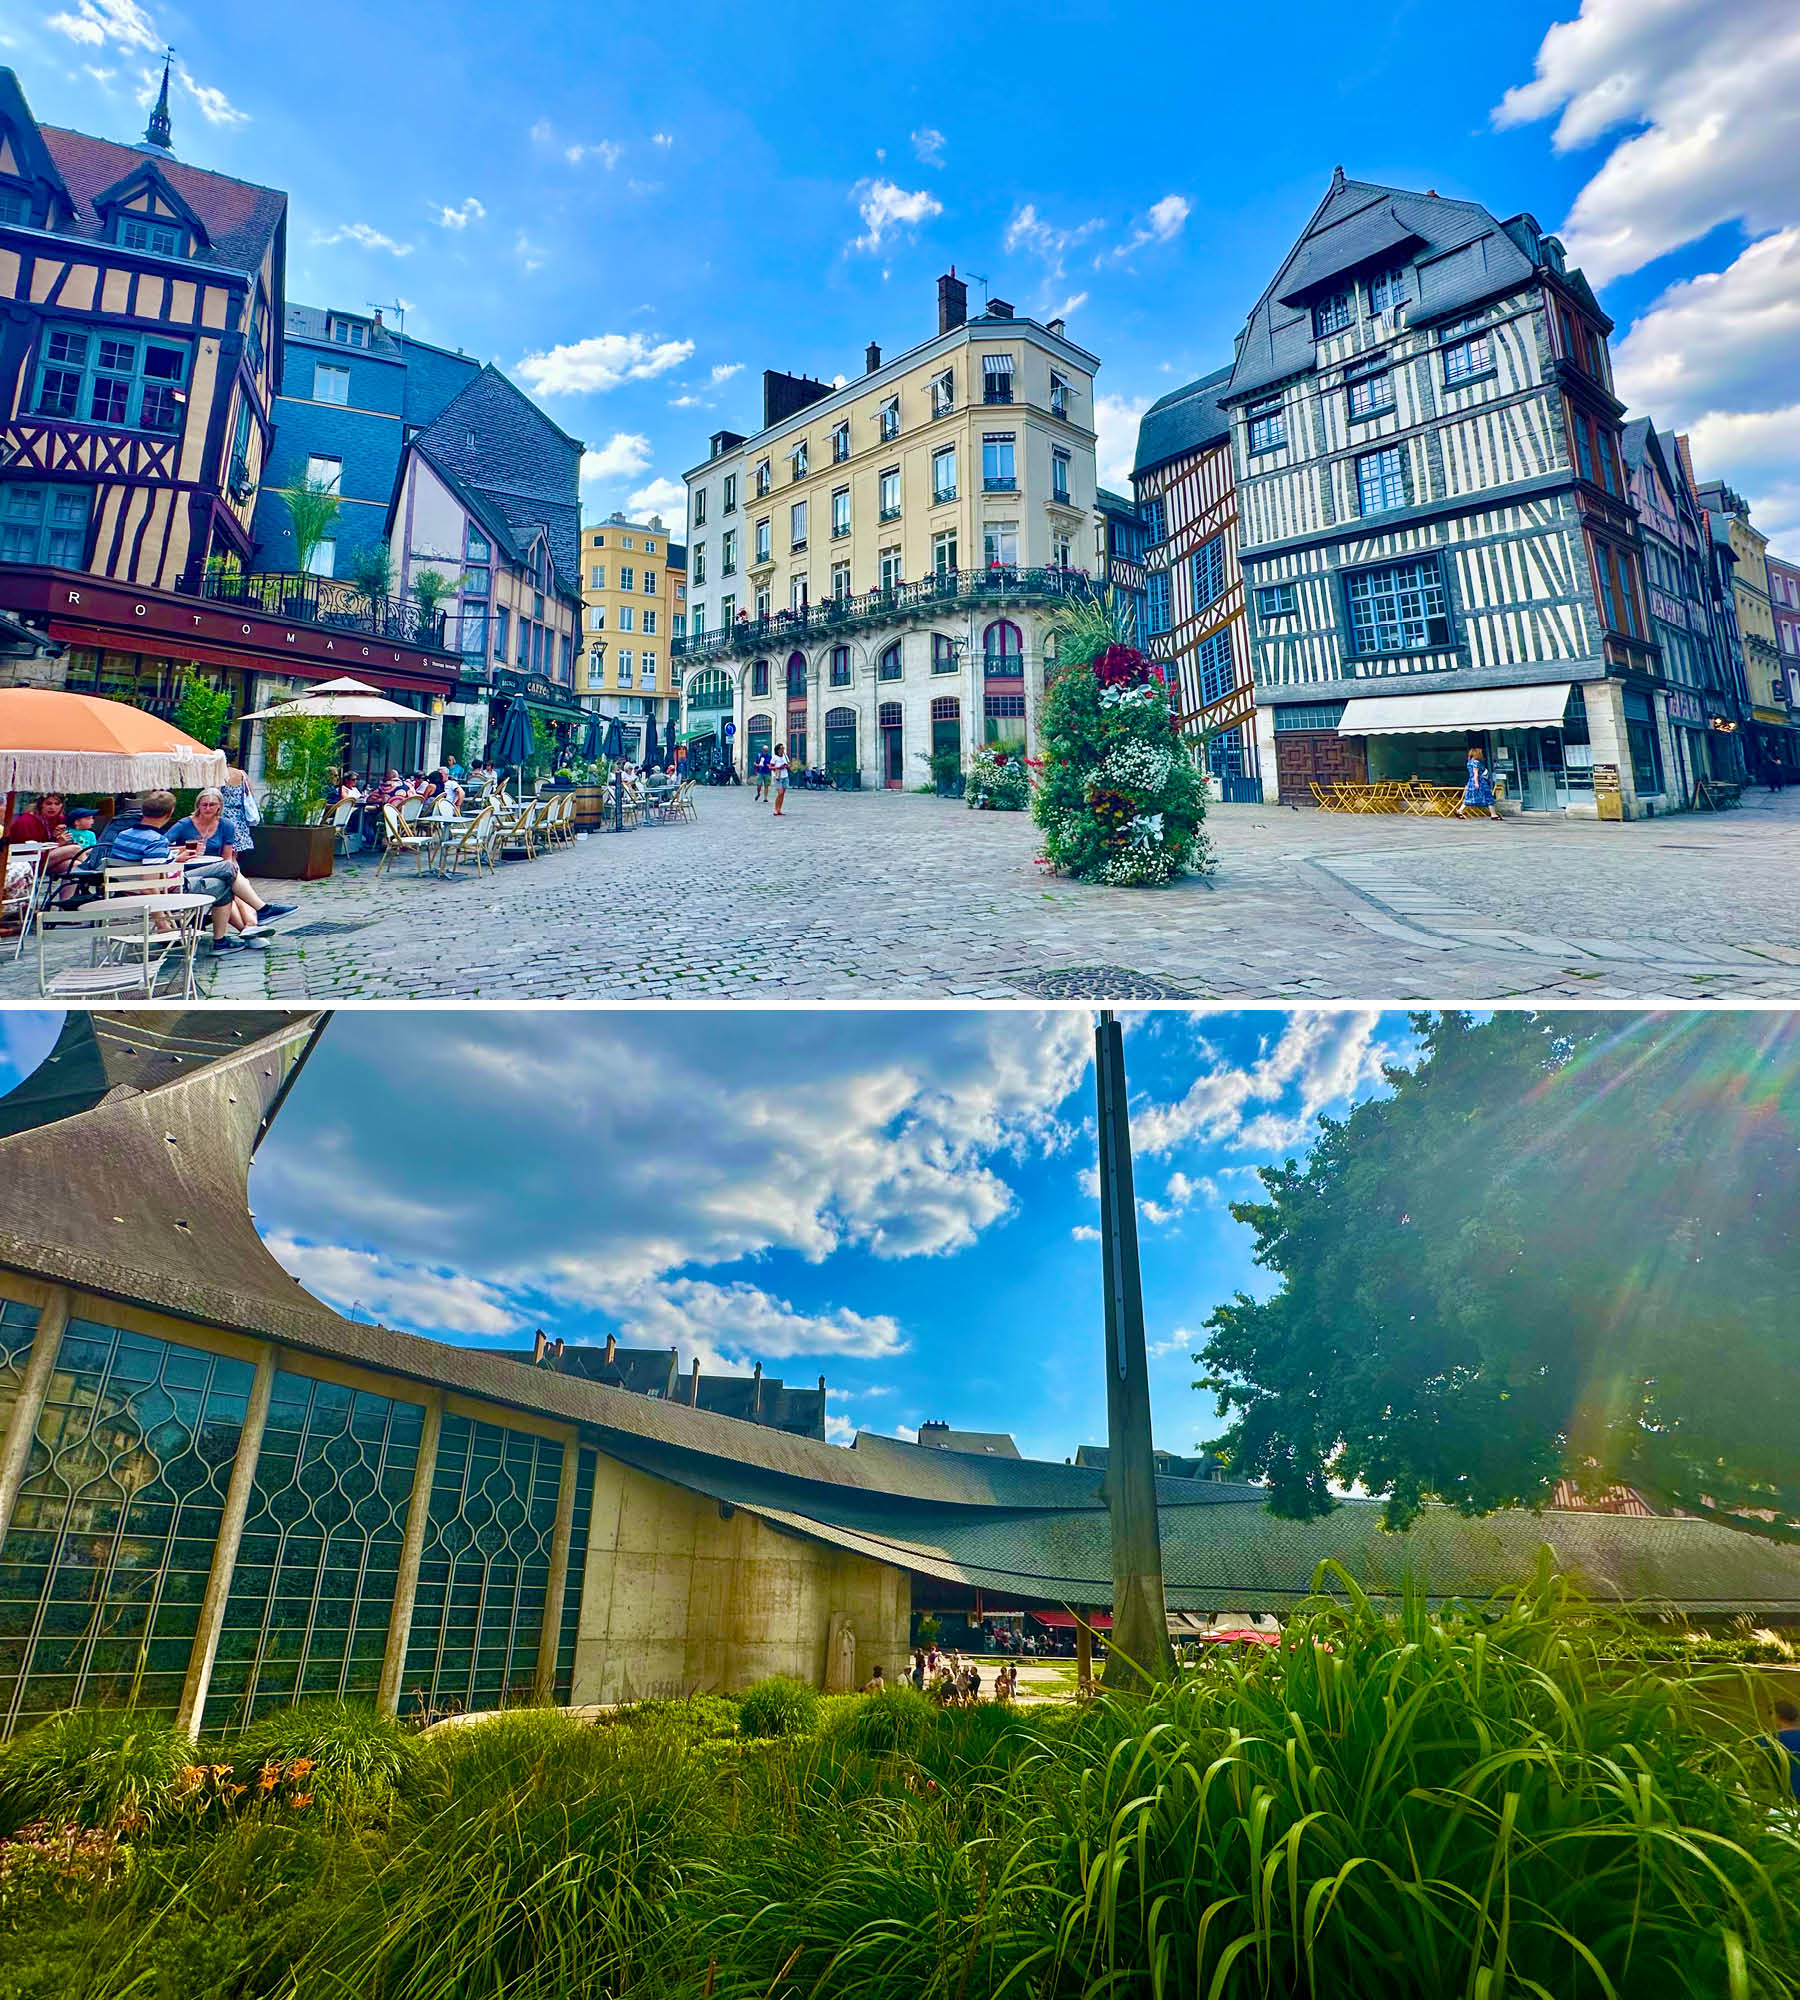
point(211, 833)
point(47, 822)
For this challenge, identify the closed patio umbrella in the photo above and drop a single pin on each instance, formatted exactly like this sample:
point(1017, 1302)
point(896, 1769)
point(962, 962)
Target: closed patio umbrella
point(590, 739)
point(613, 749)
point(512, 744)
point(652, 755)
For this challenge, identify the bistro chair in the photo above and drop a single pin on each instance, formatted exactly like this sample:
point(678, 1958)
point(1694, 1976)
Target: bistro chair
point(472, 841)
point(399, 838)
point(22, 895)
point(340, 827)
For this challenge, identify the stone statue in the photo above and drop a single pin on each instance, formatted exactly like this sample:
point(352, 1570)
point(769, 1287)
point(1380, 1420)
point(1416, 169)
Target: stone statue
point(840, 1656)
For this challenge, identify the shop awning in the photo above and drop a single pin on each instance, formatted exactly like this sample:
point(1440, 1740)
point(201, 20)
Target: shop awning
point(1064, 1621)
point(705, 729)
point(1443, 714)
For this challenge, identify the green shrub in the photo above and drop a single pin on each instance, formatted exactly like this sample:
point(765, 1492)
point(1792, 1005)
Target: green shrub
point(779, 1706)
point(94, 1767)
point(894, 1722)
point(357, 1756)
point(700, 1718)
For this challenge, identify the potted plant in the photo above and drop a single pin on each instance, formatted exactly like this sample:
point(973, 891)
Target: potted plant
point(946, 771)
point(300, 754)
point(202, 711)
point(313, 507)
point(429, 588)
point(224, 574)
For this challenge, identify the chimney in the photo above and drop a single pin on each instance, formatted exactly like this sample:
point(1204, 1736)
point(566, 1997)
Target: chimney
point(871, 358)
point(999, 309)
point(377, 316)
point(821, 1385)
point(1056, 327)
point(558, 1349)
point(612, 1348)
point(694, 1386)
point(538, 1344)
point(953, 301)
point(756, 1400)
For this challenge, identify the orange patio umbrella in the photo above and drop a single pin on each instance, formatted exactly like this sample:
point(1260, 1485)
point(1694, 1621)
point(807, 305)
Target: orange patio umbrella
point(51, 741)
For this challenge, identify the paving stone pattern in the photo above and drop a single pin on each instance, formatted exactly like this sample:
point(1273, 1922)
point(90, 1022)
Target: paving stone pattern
point(889, 896)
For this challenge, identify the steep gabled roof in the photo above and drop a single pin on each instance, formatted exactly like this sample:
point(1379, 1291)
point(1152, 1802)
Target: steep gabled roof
point(148, 173)
point(1183, 421)
point(1461, 252)
point(34, 156)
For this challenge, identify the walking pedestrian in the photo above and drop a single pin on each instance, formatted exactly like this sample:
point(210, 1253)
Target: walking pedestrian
point(778, 771)
point(1479, 790)
point(763, 761)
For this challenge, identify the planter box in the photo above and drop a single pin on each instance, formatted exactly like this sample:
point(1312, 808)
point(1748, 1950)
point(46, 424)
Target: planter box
point(293, 853)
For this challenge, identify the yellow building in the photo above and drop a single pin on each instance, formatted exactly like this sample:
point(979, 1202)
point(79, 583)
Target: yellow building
point(1773, 739)
point(633, 607)
point(872, 573)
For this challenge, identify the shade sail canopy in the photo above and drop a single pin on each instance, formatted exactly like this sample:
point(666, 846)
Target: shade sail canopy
point(1440, 714)
point(52, 741)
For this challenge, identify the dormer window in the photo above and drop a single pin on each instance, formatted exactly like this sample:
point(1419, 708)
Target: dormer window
point(1332, 315)
point(15, 205)
point(161, 239)
point(349, 332)
point(1387, 292)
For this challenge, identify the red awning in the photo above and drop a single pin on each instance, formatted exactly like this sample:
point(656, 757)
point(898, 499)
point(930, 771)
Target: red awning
point(251, 659)
point(1063, 1621)
point(1236, 1638)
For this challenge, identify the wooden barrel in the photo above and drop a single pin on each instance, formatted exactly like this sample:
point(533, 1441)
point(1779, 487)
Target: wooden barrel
point(592, 803)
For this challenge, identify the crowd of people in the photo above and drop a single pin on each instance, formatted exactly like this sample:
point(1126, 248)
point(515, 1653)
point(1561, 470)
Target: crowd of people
point(949, 1679)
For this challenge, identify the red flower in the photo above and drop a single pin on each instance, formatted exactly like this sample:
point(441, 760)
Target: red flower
point(1121, 666)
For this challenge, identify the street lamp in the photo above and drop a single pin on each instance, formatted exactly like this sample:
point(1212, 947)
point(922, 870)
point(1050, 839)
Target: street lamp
point(1139, 1650)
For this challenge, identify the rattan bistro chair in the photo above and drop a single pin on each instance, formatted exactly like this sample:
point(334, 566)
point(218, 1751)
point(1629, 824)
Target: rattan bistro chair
point(399, 838)
point(471, 842)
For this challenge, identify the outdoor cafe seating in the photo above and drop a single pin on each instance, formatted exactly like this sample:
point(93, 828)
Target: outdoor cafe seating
point(1388, 795)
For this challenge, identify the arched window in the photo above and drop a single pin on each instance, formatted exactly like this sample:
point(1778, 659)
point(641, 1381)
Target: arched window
point(759, 678)
point(796, 674)
point(946, 709)
point(840, 741)
point(943, 653)
point(1003, 649)
point(889, 715)
point(887, 666)
point(710, 690)
point(762, 734)
point(840, 666)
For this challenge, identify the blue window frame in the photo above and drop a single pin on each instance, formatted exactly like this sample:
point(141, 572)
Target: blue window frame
point(1155, 521)
point(1213, 669)
point(162, 239)
point(502, 620)
point(1332, 315)
point(1305, 715)
point(1370, 394)
point(1209, 573)
point(126, 381)
point(1397, 608)
point(1276, 600)
point(1268, 425)
point(1387, 291)
point(1381, 480)
point(1156, 602)
point(15, 205)
point(44, 524)
point(1467, 360)
point(997, 466)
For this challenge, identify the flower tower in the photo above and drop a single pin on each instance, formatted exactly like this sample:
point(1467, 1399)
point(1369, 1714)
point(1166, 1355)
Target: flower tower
point(1120, 799)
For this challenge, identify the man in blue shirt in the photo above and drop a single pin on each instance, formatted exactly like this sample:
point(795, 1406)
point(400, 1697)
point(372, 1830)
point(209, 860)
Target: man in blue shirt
point(1787, 1736)
point(148, 842)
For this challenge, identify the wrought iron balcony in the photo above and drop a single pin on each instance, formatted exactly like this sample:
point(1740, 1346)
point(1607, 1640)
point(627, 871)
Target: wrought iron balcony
point(833, 617)
point(999, 482)
point(332, 601)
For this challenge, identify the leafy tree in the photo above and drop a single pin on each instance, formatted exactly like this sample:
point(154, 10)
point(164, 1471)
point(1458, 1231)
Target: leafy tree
point(313, 506)
point(1565, 1246)
point(202, 712)
point(300, 752)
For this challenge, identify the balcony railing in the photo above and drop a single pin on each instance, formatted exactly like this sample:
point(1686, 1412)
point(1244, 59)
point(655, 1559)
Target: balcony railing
point(332, 601)
point(833, 616)
point(999, 482)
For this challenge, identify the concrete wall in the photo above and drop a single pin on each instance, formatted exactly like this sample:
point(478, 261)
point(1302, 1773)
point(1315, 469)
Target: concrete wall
point(676, 1597)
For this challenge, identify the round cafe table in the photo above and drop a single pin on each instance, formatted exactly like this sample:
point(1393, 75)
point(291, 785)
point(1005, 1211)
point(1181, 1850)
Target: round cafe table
point(125, 925)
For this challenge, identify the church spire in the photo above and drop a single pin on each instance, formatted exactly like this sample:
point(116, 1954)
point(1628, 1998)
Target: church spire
point(157, 133)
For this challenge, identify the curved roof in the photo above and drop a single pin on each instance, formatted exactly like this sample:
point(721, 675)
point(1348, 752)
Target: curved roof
point(1183, 421)
point(142, 1194)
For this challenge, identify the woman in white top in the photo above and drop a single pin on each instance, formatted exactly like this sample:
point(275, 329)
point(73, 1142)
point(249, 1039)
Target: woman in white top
point(778, 770)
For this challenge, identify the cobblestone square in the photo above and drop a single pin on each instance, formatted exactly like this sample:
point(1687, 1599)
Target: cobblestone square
point(890, 896)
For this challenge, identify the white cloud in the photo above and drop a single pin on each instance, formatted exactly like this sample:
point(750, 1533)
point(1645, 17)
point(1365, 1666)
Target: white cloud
point(1759, 451)
point(213, 105)
point(1085, 1233)
point(1713, 95)
point(1030, 233)
point(607, 151)
point(886, 209)
point(427, 1298)
point(466, 211)
point(543, 133)
point(122, 24)
point(1163, 222)
point(1720, 340)
point(1073, 303)
point(1319, 1062)
point(365, 236)
point(662, 138)
point(625, 454)
point(929, 143)
point(1115, 441)
point(602, 361)
point(103, 77)
point(724, 370)
point(531, 255)
point(661, 496)
point(1182, 1341)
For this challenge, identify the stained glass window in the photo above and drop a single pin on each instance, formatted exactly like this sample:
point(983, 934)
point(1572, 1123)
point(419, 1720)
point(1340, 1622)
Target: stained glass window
point(112, 1539)
point(313, 1585)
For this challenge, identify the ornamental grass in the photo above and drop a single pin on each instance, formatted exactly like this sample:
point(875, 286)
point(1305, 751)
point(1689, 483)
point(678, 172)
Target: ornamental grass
point(1519, 1799)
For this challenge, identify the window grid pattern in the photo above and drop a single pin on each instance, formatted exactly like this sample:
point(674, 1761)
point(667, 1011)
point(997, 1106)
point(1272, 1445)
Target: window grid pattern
point(1268, 430)
point(44, 524)
point(1370, 395)
point(18, 1328)
point(1156, 603)
point(1209, 573)
point(112, 1539)
point(1398, 608)
point(1465, 359)
point(313, 1585)
point(482, 1577)
point(1277, 600)
point(124, 381)
point(1380, 481)
point(1213, 669)
point(1305, 715)
point(1332, 315)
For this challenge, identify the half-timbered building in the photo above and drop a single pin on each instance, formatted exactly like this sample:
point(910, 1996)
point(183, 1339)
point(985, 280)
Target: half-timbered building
point(1434, 528)
point(1122, 548)
point(140, 353)
point(1705, 712)
point(1194, 589)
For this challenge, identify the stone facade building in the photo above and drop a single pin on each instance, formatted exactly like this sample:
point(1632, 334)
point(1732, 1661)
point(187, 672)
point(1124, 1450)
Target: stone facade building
point(1434, 527)
point(1774, 742)
point(872, 574)
point(633, 606)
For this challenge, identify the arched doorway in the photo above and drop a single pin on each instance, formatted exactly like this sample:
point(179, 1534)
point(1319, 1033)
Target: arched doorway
point(796, 710)
point(893, 746)
point(1003, 683)
point(759, 737)
point(840, 742)
point(946, 731)
point(708, 700)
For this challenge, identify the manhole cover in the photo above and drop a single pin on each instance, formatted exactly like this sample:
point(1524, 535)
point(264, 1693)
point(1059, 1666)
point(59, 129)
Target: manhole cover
point(324, 927)
point(1096, 982)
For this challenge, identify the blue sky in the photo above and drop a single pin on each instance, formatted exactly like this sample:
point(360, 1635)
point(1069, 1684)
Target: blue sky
point(637, 211)
point(904, 1202)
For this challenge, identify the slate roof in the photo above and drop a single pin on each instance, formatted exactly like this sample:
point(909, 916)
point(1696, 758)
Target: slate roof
point(1461, 253)
point(645, 1371)
point(143, 1196)
point(799, 1412)
point(1183, 421)
point(523, 472)
point(981, 1444)
point(241, 219)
